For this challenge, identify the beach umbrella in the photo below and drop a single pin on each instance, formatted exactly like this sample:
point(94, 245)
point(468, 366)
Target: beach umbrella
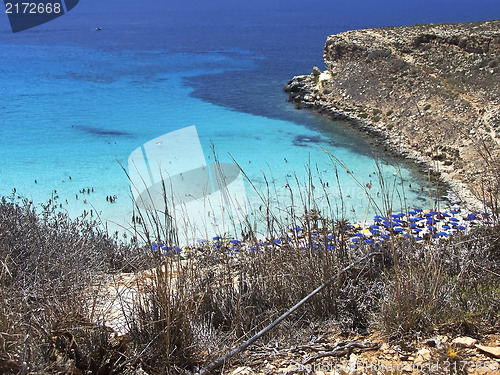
point(417, 238)
point(355, 239)
point(297, 229)
point(375, 232)
point(359, 234)
point(236, 242)
point(374, 227)
point(418, 230)
point(330, 236)
point(453, 219)
point(453, 212)
point(471, 217)
point(418, 210)
point(461, 227)
point(443, 234)
point(446, 214)
point(446, 227)
point(385, 236)
point(398, 229)
point(369, 241)
point(412, 212)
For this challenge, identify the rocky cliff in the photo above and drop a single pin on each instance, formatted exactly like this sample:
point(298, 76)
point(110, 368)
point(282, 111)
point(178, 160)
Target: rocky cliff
point(428, 92)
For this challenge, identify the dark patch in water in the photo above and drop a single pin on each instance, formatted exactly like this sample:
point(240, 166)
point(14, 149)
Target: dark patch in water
point(101, 132)
point(305, 140)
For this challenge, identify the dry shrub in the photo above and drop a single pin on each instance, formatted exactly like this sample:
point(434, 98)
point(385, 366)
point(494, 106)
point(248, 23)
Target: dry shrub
point(47, 264)
point(452, 285)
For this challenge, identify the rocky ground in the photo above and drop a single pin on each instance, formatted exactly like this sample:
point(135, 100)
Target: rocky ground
point(428, 92)
point(330, 355)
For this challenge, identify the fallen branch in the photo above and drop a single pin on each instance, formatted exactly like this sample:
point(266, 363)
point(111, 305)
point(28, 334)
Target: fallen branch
point(217, 363)
point(343, 348)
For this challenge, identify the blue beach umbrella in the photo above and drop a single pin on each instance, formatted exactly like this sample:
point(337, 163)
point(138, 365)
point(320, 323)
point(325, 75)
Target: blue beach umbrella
point(461, 227)
point(359, 234)
point(453, 212)
point(443, 234)
point(369, 241)
point(418, 210)
point(385, 236)
point(446, 227)
point(375, 232)
point(417, 238)
point(471, 217)
point(297, 229)
point(398, 229)
point(355, 239)
point(374, 227)
point(236, 242)
point(453, 219)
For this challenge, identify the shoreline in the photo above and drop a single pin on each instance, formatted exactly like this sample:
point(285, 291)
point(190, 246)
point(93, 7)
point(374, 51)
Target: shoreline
point(426, 93)
point(395, 142)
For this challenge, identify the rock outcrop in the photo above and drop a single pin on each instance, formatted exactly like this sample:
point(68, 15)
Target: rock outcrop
point(428, 92)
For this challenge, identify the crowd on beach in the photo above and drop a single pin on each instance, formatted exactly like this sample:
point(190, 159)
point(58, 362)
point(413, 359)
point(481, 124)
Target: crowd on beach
point(415, 225)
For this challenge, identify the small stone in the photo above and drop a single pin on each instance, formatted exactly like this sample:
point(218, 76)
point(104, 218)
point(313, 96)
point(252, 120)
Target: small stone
point(466, 342)
point(493, 351)
point(423, 355)
point(242, 371)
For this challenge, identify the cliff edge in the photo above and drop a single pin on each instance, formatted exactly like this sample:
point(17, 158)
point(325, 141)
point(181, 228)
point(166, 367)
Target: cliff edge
point(428, 92)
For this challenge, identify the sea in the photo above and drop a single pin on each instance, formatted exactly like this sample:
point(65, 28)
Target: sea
point(80, 93)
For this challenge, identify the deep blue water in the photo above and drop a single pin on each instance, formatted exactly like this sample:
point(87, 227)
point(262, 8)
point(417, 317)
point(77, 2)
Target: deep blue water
point(76, 102)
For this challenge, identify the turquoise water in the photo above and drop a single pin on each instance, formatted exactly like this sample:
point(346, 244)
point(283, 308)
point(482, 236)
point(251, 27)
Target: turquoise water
point(73, 110)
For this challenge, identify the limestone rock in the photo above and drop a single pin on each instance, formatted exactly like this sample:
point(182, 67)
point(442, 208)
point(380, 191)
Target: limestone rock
point(423, 355)
point(466, 342)
point(493, 351)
